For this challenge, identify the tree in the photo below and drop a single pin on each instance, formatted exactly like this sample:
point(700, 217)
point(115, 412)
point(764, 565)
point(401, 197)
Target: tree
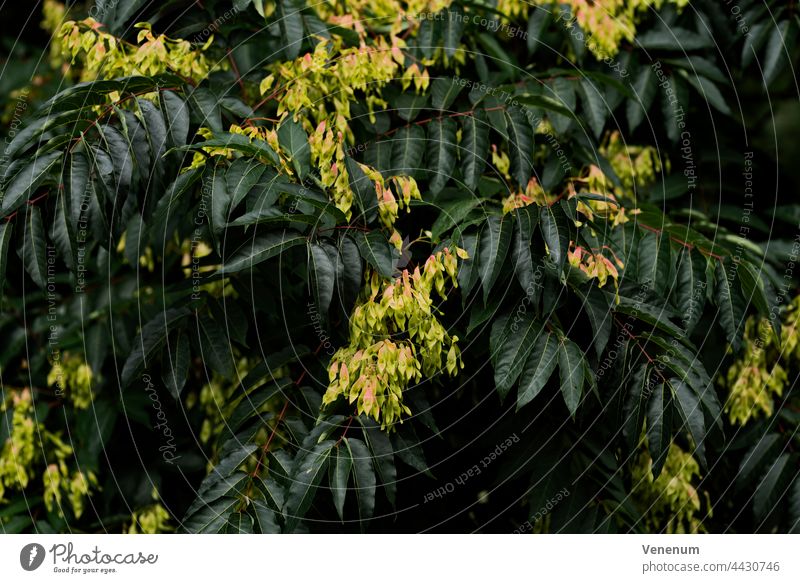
point(309, 273)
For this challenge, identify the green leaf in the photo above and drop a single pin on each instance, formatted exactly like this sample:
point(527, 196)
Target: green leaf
point(34, 247)
point(239, 143)
point(304, 483)
point(134, 245)
point(673, 38)
point(409, 104)
point(322, 274)
point(215, 346)
point(294, 141)
point(794, 510)
point(453, 212)
point(349, 273)
point(269, 486)
point(468, 270)
point(691, 413)
point(382, 456)
point(150, 340)
point(594, 106)
point(600, 314)
point(645, 89)
point(363, 477)
point(251, 404)
point(238, 523)
point(241, 177)
point(539, 17)
point(690, 292)
point(119, 150)
point(474, 147)
point(754, 289)
point(564, 94)
point(341, 464)
point(62, 233)
point(730, 304)
point(549, 104)
point(555, 230)
point(408, 147)
point(570, 366)
point(176, 364)
point(779, 46)
point(765, 496)
point(444, 91)
point(261, 248)
point(211, 518)
point(176, 115)
point(495, 241)
point(363, 188)
point(521, 256)
point(538, 368)
point(377, 251)
point(709, 91)
point(266, 522)
point(452, 28)
point(520, 145)
point(6, 230)
point(216, 485)
point(659, 424)
point(27, 180)
point(754, 459)
point(442, 149)
point(168, 205)
point(290, 22)
point(520, 336)
point(635, 404)
point(657, 316)
point(156, 129)
point(655, 261)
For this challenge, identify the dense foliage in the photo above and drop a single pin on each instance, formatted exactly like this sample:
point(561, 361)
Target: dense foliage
point(486, 265)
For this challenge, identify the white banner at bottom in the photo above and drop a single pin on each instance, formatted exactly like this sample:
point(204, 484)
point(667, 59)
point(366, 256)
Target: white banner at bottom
point(395, 558)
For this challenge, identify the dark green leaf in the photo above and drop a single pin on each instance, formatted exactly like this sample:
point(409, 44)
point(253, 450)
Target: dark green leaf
point(474, 147)
point(176, 364)
point(570, 366)
point(27, 180)
point(294, 142)
point(408, 147)
point(363, 188)
point(538, 368)
point(176, 114)
point(322, 274)
point(730, 303)
point(290, 22)
point(444, 91)
point(691, 413)
point(305, 480)
point(452, 28)
point(377, 251)
point(363, 478)
point(520, 145)
point(260, 249)
point(555, 230)
point(215, 346)
point(659, 423)
point(495, 241)
point(341, 464)
point(34, 248)
point(594, 106)
point(765, 495)
point(442, 148)
point(6, 230)
point(645, 89)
